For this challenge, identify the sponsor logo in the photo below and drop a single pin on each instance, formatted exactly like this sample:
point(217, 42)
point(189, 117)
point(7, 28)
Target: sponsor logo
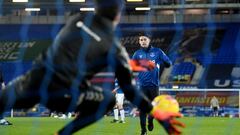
point(14, 50)
point(152, 54)
point(227, 83)
point(236, 72)
point(233, 82)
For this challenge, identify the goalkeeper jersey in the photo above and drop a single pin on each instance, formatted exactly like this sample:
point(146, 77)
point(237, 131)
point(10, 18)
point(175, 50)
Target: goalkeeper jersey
point(156, 55)
point(85, 46)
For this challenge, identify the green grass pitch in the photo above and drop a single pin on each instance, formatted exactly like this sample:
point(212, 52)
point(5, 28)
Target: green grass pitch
point(195, 126)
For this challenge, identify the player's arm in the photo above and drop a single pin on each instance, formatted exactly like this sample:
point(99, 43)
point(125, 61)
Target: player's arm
point(138, 65)
point(166, 61)
point(141, 65)
point(218, 104)
point(114, 91)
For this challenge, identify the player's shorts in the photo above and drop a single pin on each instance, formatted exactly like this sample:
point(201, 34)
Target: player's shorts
point(215, 109)
point(150, 91)
point(120, 98)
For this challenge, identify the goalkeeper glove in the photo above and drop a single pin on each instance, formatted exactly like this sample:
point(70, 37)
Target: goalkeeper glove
point(168, 121)
point(141, 65)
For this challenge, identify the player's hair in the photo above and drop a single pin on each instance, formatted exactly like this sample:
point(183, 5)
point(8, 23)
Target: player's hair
point(146, 34)
point(109, 8)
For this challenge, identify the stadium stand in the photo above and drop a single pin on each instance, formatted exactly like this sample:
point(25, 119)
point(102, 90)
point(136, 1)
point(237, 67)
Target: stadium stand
point(183, 72)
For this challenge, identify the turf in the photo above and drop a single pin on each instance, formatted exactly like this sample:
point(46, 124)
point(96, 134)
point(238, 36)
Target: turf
point(195, 126)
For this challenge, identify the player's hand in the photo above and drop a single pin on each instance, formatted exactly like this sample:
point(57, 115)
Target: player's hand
point(141, 65)
point(168, 121)
point(114, 92)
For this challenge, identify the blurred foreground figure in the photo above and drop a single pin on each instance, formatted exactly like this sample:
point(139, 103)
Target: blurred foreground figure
point(60, 77)
point(3, 121)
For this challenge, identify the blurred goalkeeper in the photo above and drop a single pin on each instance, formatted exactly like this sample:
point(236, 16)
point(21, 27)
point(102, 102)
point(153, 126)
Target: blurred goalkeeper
point(60, 77)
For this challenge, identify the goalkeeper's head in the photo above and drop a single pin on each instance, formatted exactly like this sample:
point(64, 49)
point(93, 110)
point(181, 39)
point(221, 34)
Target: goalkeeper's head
point(110, 9)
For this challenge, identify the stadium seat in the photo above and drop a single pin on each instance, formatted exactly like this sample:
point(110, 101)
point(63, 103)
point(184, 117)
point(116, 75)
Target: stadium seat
point(183, 72)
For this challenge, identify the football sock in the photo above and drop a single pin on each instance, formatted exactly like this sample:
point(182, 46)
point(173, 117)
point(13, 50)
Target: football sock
point(115, 111)
point(122, 114)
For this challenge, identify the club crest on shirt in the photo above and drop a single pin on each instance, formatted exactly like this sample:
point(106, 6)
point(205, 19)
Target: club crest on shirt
point(152, 55)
